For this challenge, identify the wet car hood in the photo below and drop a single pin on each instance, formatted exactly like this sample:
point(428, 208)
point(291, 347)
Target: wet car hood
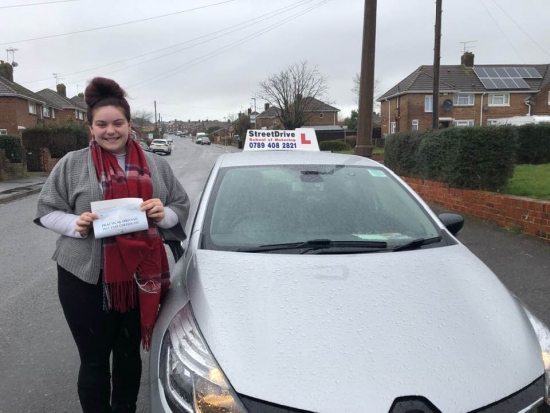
point(343, 332)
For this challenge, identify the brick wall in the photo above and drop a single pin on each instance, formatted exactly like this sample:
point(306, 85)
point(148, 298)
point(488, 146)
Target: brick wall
point(23, 117)
point(329, 118)
point(48, 161)
point(11, 170)
point(541, 105)
point(530, 215)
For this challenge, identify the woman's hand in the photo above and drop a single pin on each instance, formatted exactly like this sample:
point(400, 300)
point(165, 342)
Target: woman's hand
point(84, 223)
point(154, 209)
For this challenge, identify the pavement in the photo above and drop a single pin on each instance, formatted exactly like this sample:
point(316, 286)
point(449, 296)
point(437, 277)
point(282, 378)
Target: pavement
point(19, 188)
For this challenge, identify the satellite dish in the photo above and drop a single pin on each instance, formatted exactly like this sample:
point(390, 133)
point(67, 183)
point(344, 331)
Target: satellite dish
point(447, 104)
point(14, 64)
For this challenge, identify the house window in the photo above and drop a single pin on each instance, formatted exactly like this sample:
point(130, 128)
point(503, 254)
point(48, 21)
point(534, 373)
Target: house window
point(415, 124)
point(393, 127)
point(428, 103)
point(80, 115)
point(491, 122)
point(321, 115)
point(463, 99)
point(45, 111)
point(3, 131)
point(76, 114)
point(463, 123)
point(32, 108)
point(499, 99)
point(53, 113)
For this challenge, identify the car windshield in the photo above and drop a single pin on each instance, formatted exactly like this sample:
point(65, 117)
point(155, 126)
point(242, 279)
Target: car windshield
point(160, 141)
point(262, 206)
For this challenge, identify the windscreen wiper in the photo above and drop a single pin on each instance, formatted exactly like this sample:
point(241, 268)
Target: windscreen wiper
point(316, 244)
point(417, 243)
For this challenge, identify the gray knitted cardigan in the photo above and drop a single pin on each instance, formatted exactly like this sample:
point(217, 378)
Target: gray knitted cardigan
point(73, 184)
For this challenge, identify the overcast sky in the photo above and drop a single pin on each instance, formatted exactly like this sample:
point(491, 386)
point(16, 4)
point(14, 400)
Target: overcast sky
point(205, 58)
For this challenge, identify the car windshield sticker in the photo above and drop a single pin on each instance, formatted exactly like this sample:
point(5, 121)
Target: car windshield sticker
point(377, 173)
point(303, 139)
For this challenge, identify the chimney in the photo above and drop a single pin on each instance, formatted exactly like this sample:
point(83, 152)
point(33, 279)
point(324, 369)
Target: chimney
point(62, 90)
point(467, 59)
point(6, 70)
point(266, 106)
point(249, 111)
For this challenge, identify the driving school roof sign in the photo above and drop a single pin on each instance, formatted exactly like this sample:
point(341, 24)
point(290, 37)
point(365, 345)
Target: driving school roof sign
point(303, 139)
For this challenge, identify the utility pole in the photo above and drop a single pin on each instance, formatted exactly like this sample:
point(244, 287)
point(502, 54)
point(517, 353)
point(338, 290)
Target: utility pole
point(364, 144)
point(437, 58)
point(156, 123)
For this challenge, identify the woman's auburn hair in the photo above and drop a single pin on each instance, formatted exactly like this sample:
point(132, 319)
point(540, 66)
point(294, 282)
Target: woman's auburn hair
point(102, 92)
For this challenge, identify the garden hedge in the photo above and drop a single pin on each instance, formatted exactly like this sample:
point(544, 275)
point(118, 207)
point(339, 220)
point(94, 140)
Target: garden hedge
point(13, 148)
point(59, 139)
point(480, 158)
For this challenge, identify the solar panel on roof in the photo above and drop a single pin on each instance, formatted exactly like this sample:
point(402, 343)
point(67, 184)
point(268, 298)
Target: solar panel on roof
point(506, 77)
point(501, 83)
point(512, 72)
point(488, 83)
point(491, 72)
point(533, 72)
point(522, 72)
point(510, 84)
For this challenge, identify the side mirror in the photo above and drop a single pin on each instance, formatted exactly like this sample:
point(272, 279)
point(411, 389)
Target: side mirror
point(453, 222)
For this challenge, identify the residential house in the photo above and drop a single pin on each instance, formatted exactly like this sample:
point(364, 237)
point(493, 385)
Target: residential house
point(320, 114)
point(69, 109)
point(470, 95)
point(20, 108)
point(79, 101)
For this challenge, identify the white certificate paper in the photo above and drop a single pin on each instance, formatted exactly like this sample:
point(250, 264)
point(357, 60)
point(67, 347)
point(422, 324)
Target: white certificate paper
point(118, 216)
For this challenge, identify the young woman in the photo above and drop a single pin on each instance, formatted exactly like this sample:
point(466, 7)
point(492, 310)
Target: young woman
point(110, 288)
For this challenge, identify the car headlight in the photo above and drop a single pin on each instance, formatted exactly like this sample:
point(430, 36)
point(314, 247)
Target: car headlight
point(543, 334)
point(189, 374)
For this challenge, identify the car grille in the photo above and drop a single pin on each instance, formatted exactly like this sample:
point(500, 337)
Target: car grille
point(517, 402)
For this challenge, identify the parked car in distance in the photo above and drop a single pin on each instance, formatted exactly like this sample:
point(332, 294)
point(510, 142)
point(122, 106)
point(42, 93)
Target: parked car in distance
point(170, 139)
point(320, 282)
point(205, 141)
point(144, 146)
point(161, 146)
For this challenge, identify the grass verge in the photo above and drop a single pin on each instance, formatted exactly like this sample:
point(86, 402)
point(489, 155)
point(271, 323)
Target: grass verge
point(531, 181)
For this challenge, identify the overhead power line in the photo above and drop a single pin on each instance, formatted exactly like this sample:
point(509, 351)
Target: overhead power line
point(240, 26)
point(501, 30)
point(521, 28)
point(36, 4)
point(119, 24)
point(221, 50)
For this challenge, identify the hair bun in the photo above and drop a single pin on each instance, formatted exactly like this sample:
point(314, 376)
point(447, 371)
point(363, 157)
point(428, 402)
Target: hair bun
point(101, 88)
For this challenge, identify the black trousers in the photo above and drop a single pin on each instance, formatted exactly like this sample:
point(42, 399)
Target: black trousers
point(97, 334)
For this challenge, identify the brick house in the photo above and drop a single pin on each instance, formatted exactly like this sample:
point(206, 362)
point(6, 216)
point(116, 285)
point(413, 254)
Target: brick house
point(19, 107)
point(68, 109)
point(320, 114)
point(470, 95)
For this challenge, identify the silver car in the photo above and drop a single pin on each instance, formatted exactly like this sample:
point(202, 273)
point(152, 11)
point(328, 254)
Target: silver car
point(320, 282)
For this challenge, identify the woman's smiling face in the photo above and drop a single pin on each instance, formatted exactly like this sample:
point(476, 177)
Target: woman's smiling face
point(110, 129)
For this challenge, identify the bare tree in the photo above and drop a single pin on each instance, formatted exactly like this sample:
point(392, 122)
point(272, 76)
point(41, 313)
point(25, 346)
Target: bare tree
point(140, 119)
point(357, 84)
point(295, 91)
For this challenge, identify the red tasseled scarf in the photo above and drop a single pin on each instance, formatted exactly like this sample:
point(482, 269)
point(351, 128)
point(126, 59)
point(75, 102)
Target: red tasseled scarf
point(136, 257)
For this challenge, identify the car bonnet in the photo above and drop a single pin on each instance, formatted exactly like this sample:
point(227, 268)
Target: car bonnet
point(341, 332)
